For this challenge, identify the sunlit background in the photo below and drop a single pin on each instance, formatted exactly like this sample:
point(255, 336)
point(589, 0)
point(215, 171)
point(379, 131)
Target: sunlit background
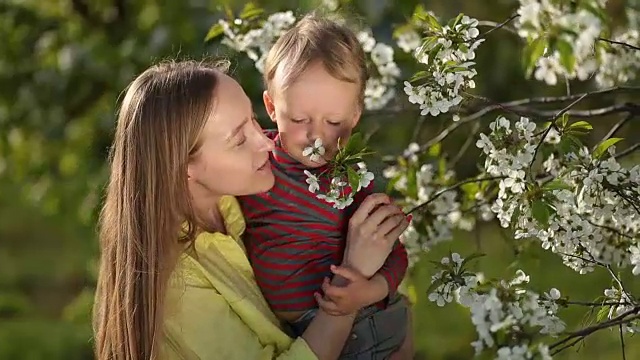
point(63, 65)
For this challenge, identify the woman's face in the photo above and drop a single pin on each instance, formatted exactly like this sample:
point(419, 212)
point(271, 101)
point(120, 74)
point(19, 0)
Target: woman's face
point(234, 155)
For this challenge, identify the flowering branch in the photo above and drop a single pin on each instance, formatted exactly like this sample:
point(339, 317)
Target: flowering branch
point(451, 188)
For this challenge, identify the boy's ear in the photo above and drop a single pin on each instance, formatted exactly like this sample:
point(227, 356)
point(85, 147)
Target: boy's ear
point(356, 116)
point(268, 105)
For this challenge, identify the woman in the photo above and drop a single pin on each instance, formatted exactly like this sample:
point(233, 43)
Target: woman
point(174, 280)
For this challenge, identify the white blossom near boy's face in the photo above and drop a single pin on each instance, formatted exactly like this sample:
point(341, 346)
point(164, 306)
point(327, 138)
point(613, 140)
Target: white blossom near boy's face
point(316, 105)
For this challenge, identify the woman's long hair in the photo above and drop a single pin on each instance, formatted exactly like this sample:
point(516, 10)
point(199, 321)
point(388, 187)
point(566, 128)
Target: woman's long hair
point(147, 200)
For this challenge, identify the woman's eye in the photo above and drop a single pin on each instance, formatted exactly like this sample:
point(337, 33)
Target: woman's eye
point(242, 141)
point(297, 121)
point(334, 123)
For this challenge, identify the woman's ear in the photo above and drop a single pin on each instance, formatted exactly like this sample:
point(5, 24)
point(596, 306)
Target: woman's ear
point(269, 106)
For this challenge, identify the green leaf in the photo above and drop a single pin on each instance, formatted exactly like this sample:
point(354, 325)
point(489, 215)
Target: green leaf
point(540, 212)
point(442, 266)
point(434, 285)
point(435, 149)
point(557, 185)
point(354, 179)
point(251, 11)
point(569, 144)
point(567, 59)
point(603, 313)
point(215, 31)
point(419, 76)
point(470, 189)
point(355, 144)
point(471, 257)
point(562, 121)
point(601, 149)
point(432, 21)
point(532, 52)
point(453, 22)
point(580, 125)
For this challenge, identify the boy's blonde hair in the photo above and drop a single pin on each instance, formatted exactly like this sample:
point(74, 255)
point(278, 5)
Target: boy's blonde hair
point(316, 38)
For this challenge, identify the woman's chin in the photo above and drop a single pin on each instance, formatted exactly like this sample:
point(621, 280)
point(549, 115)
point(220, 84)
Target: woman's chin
point(264, 180)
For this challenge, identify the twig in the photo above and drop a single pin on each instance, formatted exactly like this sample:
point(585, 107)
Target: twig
point(631, 149)
point(616, 127)
point(624, 355)
point(581, 334)
point(451, 188)
point(620, 43)
point(495, 24)
point(499, 26)
point(609, 228)
point(618, 108)
point(467, 143)
point(595, 304)
point(552, 125)
point(619, 282)
point(418, 128)
point(521, 102)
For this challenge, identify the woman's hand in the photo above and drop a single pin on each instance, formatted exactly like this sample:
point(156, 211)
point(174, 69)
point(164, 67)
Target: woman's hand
point(373, 230)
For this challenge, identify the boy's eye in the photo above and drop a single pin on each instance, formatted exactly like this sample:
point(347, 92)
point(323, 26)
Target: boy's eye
point(297, 121)
point(334, 123)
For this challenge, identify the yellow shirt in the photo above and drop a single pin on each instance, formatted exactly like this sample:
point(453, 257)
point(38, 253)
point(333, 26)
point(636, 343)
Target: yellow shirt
point(215, 309)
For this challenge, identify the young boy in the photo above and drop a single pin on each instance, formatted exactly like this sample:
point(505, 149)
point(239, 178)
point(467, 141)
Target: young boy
point(315, 76)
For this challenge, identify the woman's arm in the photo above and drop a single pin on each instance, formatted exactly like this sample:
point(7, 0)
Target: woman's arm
point(203, 326)
point(327, 334)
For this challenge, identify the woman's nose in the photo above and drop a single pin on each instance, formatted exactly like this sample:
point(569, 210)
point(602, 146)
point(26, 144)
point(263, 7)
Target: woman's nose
point(265, 144)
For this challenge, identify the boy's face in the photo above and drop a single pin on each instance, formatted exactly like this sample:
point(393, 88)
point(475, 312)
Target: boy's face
point(316, 105)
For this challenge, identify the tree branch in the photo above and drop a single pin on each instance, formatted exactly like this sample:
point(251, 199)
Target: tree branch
point(451, 188)
point(467, 143)
point(616, 127)
point(498, 26)
point(630, 108)
point(551, 126)
point(627, 316)
point(624, 355)
point(633, 47)
point(630, 150)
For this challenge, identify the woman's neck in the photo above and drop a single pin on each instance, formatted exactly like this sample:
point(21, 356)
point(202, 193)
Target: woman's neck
point(207, 213)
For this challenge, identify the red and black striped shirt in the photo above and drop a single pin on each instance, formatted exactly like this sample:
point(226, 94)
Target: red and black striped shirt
point(292, 237)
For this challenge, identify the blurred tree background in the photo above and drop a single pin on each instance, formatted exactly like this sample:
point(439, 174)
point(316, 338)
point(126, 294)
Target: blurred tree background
point(63, 66)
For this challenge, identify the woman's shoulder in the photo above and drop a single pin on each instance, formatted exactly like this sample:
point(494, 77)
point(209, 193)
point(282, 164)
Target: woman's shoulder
point(232, 214)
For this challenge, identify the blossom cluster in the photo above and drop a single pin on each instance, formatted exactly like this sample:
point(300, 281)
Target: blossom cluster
point(499, 309)
point(256, 41)
point(620, 64)
point(576, 30)
point(446, 55)
point(380, 87)
point(588, 213)
point(341, 187)
point(419, 179)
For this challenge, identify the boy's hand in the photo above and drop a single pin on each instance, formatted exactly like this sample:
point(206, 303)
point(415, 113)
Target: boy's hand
point(356, 294)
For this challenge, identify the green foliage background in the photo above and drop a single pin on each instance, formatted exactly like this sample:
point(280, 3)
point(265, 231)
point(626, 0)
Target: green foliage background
point(63, 65)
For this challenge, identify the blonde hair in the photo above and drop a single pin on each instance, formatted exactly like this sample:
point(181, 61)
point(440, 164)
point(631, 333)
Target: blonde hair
point(159, 124)
point(317, 38)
